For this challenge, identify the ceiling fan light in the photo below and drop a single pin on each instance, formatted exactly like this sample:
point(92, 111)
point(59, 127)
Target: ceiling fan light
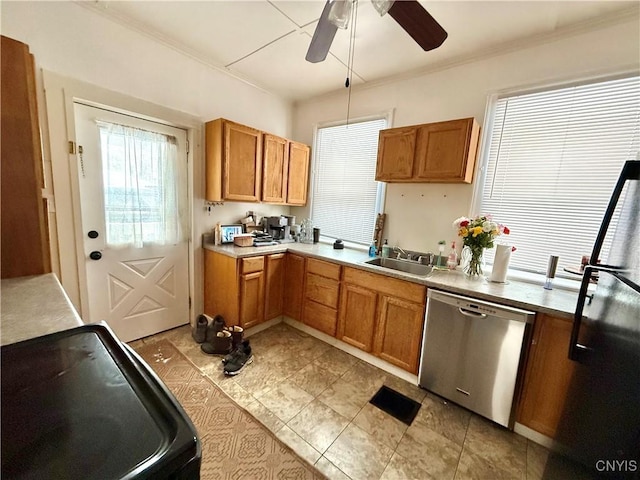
point(340, 13)
point(382, 6)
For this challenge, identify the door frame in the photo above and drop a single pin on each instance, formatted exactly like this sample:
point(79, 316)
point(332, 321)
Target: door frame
point(61, 93)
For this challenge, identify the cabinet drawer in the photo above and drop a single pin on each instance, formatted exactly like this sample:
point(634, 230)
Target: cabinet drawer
point(383, 284)
point(320, 317)
point(326, 269)
point(322, 290)
point(252, 264)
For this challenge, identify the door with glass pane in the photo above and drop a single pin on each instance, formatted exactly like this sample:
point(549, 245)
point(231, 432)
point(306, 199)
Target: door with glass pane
point(133, 212)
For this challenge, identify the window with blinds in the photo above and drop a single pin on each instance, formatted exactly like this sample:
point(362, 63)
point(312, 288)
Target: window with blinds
point(345, 194)
point(553, 160)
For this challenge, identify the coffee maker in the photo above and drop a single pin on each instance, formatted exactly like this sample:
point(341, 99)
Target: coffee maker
point(279, 229)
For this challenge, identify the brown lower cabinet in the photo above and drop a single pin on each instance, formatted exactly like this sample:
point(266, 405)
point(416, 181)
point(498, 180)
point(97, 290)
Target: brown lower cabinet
point(383, 316)
point(321, 294)
point(547, 376)
point(293, 286)
point(245, 291)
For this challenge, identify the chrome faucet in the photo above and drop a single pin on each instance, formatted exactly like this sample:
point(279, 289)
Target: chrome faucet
point(400, 253)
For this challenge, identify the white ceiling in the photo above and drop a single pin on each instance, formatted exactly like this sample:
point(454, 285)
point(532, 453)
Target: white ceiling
point(265, 42)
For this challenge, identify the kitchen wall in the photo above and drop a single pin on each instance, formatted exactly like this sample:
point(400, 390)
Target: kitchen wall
point(72, 41)
point(419, 215)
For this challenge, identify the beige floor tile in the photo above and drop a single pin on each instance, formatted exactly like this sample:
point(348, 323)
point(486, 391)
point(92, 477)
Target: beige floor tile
point(365, 376)
point(264, 416)
point(298, 445)
point(258, 377)
point(381, 425)
point(445, 418)
point(503, 449)
point(336, 361)
point(238, 394)
point(285, 400)
point(429, 451)
point(346, 398)
point(330, 470)
point(313, 379)
point(399, 468)
point(547, 465)
point(475, 467)
point(318, 425)
point(359, 454)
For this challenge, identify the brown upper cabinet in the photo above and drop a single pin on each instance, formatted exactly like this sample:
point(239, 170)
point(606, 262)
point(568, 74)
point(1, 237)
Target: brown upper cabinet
point(298, 180)
point(285, 171)
point(248, 165)
point(25, 237)
point(233, 161)
point(442, 152)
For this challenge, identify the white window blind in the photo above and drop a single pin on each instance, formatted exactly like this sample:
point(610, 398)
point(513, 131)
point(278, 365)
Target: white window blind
point(553, 160)
point(345, 191)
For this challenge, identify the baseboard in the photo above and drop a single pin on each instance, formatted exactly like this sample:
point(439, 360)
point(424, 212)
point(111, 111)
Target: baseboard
point(262, 326)
point(351, 350)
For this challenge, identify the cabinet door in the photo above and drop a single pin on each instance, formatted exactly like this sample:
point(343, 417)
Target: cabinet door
point(396, 148)
point(274, 288)
point(251, 299)
point(294, 286)
point(399, 332)
point(547, 376)
point(25, 237)
point(221, 285)
point(298, 174)
point(320, 317)
point(275, 169)
point(446, 151)
point(242, 163)
point(357, 319)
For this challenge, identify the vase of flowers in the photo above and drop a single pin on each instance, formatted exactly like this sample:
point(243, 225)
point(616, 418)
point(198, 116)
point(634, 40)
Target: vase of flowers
point(477, 234)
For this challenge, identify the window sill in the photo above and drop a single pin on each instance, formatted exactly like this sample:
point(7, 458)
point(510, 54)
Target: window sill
point(570, 284)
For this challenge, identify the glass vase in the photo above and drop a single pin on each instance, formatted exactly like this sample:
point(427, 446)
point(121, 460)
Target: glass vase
point(472, 260)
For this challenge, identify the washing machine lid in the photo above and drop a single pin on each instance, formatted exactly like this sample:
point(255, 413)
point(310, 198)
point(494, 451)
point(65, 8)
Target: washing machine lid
point(79, 404)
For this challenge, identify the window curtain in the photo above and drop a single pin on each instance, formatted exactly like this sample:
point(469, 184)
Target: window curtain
point(139, 169)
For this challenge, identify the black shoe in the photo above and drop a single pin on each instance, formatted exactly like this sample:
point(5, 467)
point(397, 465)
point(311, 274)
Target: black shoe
point(237, 350)
point(218, 345)
point(237, 333)
point(243, 358)
point(199, 332)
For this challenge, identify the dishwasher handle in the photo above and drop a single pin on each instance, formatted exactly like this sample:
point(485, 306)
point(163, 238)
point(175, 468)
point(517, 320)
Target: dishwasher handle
point(470, 313)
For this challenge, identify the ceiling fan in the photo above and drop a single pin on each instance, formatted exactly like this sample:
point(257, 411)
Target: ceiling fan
point(409, 14)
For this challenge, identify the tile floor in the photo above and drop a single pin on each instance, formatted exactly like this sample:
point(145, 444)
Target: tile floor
point(314, 397)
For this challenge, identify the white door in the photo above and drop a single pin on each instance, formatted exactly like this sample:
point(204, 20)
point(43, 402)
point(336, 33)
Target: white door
point(133, 208)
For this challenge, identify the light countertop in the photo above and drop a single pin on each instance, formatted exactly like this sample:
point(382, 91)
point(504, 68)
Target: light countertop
point(34, 306)
point(519, 294)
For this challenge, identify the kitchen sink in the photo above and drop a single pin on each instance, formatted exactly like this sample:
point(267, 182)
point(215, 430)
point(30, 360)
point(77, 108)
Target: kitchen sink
point(406, 266)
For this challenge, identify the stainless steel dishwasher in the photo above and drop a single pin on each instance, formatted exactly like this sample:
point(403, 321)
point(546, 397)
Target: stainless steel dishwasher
point(471, 353)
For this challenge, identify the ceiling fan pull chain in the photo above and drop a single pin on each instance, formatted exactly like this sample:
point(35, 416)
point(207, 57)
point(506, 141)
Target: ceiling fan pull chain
point(352, 46)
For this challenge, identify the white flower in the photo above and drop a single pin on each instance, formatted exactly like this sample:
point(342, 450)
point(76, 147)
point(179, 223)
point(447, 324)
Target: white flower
point(489, 226)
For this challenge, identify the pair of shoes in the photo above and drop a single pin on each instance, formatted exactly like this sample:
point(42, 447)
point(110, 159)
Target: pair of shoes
point(218, 339)
point(199, 332)
point(238, 359)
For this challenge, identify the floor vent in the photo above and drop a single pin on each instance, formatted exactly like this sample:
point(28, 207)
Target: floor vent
point(396, 404)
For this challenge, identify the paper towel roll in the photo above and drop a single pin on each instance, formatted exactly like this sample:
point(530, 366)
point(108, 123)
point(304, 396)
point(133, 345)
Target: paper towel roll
point(500, 264)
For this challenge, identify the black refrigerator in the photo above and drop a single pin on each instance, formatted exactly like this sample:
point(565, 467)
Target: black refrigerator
point(600, 424)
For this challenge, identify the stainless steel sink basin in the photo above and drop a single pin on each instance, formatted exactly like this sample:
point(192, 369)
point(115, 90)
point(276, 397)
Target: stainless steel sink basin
point(402, 266)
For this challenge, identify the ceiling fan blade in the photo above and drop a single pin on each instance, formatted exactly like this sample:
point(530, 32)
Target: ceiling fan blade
point(418, 23)
point(322, 37)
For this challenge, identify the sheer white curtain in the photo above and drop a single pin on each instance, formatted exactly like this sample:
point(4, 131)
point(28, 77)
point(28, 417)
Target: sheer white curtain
point(140, 186)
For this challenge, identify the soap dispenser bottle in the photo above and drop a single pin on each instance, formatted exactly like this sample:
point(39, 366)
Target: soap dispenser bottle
point(452, 259)
point(372, 248)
